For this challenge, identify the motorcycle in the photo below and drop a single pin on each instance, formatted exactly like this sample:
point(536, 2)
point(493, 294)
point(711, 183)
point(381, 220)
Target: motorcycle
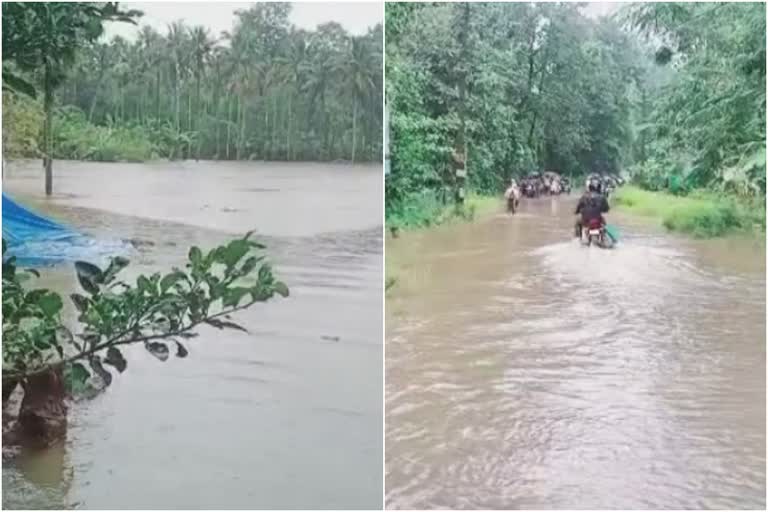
point(595, 233)
point(513, 203)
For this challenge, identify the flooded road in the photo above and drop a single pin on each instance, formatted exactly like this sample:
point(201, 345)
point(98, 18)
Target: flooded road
point(288, 416)
point(525, 371)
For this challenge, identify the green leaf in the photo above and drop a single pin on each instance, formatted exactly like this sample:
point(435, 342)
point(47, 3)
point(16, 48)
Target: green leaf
point(144, 285)
point(116, 264)
point(265, 273)
point(81, 302)
point(195, 255)
point(233, 296)
point(281, 288)
point(235, 251)
point(159, 350)
point(116, 359)
point(50, 303)
point(181, 351)
point(169, 280)
point(89, 270)
point(222, 324)
point(99, 370)
point(88, 284)
point(77, 375)
point(250, 264)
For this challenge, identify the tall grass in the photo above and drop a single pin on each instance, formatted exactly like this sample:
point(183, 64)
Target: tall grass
point(701, 214)
point(426, 210)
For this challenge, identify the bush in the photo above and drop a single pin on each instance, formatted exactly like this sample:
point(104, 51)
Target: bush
point(22, 119)
point(77, 139)
point(425, 210)
point(702, 214)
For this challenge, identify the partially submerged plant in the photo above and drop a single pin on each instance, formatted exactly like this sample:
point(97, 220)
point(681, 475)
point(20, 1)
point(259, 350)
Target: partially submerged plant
point(157, 311)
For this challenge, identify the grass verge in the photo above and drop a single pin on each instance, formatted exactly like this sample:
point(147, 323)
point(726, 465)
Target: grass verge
point(425, 211)
point(701, 214)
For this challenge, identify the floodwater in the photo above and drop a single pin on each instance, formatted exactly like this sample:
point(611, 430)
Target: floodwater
point(524, 371)
point(288, 416)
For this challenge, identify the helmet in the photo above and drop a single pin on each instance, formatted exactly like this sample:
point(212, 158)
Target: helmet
point(593, 185)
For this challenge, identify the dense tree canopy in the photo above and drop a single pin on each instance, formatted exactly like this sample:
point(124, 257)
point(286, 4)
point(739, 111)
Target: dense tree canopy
point(543, 87)
point(265, 90)
point(703, 119)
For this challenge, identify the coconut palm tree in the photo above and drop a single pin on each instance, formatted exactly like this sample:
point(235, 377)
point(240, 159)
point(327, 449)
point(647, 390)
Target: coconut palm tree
point(291, 74)
point(357, 70)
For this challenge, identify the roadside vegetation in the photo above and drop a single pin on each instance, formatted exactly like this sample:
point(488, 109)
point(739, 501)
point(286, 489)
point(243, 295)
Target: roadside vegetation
point(671, 95)
point(427, 210)
point(701, 213)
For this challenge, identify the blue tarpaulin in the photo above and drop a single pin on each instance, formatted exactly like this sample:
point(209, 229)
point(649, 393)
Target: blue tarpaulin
point(36, 241)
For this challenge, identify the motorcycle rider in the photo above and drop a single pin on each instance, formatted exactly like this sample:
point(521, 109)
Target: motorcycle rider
point(512, 195)
point(592, 205)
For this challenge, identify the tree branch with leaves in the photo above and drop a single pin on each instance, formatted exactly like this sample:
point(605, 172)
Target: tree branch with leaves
point(156, 311)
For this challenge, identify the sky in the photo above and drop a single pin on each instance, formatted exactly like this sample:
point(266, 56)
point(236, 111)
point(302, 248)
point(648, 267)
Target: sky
point(355, 17)
point(597, 9)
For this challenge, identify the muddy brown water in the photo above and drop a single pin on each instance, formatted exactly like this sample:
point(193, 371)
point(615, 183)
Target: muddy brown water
point(526, 371)
point(288, 416)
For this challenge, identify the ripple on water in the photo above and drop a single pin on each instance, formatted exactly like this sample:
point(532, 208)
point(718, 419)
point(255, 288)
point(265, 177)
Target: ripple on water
point(548, 375)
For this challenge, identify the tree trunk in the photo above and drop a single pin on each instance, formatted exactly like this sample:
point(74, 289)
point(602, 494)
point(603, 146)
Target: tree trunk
point(229, 123)
point(197, 120)
point(544, 63)
point(288, 137)
point(354, 128)
point(43, 412)
point(461, 148)
point(93, 102)
point(265, 138)
point(122, 103)
point(48, 131)
point(275, 115)
point(241, 137)
point(157, 96)
point(189, 112)
point(177, 92)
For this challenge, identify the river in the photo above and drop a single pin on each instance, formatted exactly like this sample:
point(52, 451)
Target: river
point(524, 371)
point(288, 416)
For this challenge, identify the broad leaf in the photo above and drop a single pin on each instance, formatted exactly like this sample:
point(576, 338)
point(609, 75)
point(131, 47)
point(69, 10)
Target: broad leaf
point(159, 350)
point(116, 359)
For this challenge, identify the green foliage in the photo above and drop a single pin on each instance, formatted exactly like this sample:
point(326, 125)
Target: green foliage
point(673, 94)
point(425, 210)
point(265, 90)
point(158, 310)
point(704, 117)
point(77, 139)
point(702, 214)
point(22, 118)
point(48, 34)
point(545, 89)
